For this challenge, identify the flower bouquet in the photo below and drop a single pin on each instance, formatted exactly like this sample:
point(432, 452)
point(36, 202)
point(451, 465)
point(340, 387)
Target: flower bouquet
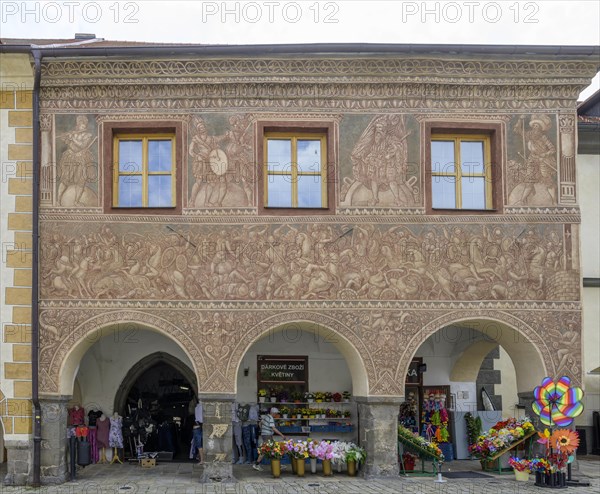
point(500, 437)
point(522, 468)
point(273, 450)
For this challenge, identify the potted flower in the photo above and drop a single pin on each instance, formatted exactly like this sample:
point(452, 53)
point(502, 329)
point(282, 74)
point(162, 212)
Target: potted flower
point(328, 396)
point(283, 396)
point(346, 395)
point(337, 397)
point(262, 395)
point(274, 451)
point(354, 456)
point(309, 397)
point(409, 460)
point(298, 450)
point(296, 396)
point(273, 394)
point(319, 396)
point(311, 446)
point(285, 411)
point(522, 468)
point(324, 452)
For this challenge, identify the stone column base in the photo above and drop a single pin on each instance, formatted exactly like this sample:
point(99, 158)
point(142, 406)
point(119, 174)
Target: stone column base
point(217, 435)
point(378, 434)
point(19, 461)
point(54, 440)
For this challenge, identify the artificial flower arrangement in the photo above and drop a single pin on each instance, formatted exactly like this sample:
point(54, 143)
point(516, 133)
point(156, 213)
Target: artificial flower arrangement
point(337, 397)
point(355, 453)
point(273, 449)
point(419, 444)
point(297, 449)
point(560, 444)
point(499, 437)
point(520, 465)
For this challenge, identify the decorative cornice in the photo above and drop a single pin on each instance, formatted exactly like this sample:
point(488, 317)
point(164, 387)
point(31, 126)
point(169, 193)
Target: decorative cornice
point(312, 66)
point(376, 95)
point(319, 305)
point(355, 215)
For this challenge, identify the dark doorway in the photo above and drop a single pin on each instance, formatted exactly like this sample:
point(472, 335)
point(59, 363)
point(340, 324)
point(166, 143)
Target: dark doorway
point(157, 402)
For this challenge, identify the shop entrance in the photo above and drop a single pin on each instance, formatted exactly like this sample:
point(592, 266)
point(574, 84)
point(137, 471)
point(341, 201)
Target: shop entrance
point(157, 400)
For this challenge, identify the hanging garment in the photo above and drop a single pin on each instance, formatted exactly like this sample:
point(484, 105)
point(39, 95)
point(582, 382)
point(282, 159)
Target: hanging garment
point(115, 437)
point(76, 416)
point(93, 415)
point(102, 432)
point(93, 445)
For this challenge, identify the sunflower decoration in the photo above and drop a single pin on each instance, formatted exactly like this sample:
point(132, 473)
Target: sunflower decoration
point(557, 403)
point(565, 440)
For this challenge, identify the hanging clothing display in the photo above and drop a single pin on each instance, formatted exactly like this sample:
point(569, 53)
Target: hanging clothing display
point(93, 415)
point(93, 445)
point(102, 432)
point(115, 438)
point(76, 416)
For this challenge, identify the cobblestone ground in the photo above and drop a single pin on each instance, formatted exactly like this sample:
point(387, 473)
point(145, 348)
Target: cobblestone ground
point(184, 479)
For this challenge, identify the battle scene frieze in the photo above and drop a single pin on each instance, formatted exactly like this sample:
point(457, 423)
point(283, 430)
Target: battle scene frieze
point(470, 262)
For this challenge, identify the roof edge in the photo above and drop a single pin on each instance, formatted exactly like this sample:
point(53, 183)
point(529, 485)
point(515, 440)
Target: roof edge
point(574, 51)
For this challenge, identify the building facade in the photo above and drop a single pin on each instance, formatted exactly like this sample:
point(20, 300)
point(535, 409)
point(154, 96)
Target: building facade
point(349, 204)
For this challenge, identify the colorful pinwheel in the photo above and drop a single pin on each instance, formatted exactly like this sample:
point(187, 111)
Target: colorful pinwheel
point(557, 403)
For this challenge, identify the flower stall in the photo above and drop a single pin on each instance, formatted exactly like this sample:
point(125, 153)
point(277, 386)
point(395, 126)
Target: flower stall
point(421, 448)
point(506, 436)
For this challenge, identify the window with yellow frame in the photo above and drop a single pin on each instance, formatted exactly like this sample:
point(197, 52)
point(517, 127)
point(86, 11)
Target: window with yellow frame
point(461, 175)
point(295, 170)
point(144, 171)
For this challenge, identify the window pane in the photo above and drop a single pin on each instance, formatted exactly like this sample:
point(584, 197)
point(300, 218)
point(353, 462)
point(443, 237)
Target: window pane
point(473, 193)
point(159, 191)
point(159, 156)
point(130, 191)
point(442, 156)
point(279, 155)
point(279, 190)
point(443, 192)
point(471, 155)
point(309, 155)
point(309, 191)
point(130, 156)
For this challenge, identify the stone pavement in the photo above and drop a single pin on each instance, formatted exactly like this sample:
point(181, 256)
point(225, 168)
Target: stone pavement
point(183, 478)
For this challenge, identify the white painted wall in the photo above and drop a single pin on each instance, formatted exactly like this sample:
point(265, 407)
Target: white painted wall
point(508, 388)
point(112, 359)
point(107, 362)
point(327, 368)
point(588, 171)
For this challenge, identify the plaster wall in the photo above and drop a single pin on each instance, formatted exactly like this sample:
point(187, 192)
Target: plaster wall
point(508, 386)
point(327, 368)
point(106, 363)
point(589, 184)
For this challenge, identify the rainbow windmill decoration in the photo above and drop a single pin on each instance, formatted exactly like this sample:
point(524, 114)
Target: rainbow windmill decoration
point(557, 403)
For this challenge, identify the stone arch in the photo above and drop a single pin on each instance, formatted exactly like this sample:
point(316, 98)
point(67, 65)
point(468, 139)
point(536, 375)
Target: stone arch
point(144, 364)
point(68, 355)
point(347, 342)
point(528, 351)
point(468, 364)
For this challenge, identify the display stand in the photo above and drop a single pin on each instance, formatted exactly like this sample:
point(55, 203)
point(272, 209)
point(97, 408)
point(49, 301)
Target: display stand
point(424, 455)
point(115, 457)
point(493, 463)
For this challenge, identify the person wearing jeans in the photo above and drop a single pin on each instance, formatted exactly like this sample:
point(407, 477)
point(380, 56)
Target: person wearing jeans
point(267, 430)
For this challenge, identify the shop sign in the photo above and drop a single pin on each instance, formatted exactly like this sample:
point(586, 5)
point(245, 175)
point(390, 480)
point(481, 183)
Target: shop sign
point(291, 370)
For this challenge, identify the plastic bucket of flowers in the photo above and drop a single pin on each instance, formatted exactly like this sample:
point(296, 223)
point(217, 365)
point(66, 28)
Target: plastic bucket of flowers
point(522, 468)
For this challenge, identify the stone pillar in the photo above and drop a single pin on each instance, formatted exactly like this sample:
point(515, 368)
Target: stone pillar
point(19, 459)
point(217, 437)
point(378, 434)
point(54, 439)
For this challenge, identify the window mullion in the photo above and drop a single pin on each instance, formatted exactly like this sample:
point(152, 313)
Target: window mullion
point(294, 164)
point(145, 172)
point(458, 173)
